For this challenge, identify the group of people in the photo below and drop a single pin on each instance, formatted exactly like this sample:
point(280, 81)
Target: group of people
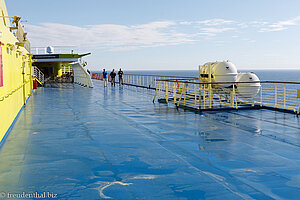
point(112, 77)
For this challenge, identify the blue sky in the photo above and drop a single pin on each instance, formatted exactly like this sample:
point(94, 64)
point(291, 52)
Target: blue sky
point(168, 34)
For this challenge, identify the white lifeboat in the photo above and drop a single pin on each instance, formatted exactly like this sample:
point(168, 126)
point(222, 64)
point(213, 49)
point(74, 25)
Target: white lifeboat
point(249, 89)
point(220, 72)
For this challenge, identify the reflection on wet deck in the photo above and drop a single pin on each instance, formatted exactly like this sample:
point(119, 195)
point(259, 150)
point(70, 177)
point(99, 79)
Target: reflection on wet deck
point(105, 143)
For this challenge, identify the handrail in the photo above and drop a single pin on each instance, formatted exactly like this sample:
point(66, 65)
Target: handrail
point(39, 74)
point(207, 83)
point(287, 82)
point(196, 78)
point(67, 69)
point(188, 77)
point(12, 91)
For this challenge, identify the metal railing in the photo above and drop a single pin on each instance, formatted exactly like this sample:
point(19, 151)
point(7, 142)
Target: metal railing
point(67, 69)
point(11, 92)
point(57, 50)
point(211, 96)
point(149, 81)
point(138, 80)
point(282, 95)
point(39, 75)
point(188, 92)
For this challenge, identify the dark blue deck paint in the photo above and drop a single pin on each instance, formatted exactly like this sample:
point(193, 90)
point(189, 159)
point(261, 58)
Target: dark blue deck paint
point(114, 143)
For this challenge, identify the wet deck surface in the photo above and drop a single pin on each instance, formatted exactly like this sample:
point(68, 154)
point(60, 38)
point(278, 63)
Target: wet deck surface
point(114, 143)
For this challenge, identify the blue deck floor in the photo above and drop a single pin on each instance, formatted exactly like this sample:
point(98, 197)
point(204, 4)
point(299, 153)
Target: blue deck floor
point(104, 143)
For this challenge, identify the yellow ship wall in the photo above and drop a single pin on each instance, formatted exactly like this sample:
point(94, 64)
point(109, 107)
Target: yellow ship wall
point(16, 74)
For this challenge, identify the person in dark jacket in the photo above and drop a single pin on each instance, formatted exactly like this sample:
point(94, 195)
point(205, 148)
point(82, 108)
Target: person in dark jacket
point(112, 77)
point(120, 73)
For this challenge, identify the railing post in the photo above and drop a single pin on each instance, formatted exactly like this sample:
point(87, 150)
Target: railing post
point(210, 86)
point(174, 93)
point(155, 95)
point(275, 94)
point(181, 94)
point(204, 97)
point(167, 91)
point(284, 95)
point(232, 97)
point(184, 90)
point(200, 95)
point(159, 85)
point(195, 91)
point(261, 96)
point(140, 81)
point(151, 83)
point(147, 81)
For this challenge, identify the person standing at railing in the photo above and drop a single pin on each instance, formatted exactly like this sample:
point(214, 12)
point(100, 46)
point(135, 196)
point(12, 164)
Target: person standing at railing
point(105, 77)
point(113, 76)
point(120, 73)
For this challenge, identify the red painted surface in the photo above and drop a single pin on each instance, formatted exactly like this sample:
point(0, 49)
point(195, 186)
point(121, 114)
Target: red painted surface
point(34, 84)
point(98, 76)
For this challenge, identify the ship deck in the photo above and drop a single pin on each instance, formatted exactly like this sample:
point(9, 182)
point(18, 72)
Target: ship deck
point(115, 143)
